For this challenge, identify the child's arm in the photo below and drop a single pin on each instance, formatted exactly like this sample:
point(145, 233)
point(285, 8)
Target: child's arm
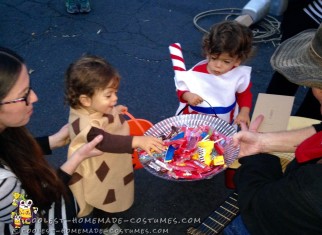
point(179, 94)
point(192, 98)
point(124, 143)
point(244, 100)
point(189, 97)
point(111, 143)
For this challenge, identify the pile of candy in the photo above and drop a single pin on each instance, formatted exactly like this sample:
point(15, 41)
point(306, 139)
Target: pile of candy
point(192, 153)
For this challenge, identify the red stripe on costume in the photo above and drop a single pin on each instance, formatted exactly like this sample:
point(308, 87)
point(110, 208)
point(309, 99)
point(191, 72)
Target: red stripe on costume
point(175, 57)
point(176, 46)
point(178, 68)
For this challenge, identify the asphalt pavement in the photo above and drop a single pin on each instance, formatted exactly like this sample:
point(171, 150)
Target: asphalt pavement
point(133, 36)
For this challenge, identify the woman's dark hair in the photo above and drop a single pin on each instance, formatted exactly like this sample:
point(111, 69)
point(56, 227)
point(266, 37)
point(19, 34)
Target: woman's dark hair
point(228, 37)
point(10, 68)
point(20, 151)
point(87, 75)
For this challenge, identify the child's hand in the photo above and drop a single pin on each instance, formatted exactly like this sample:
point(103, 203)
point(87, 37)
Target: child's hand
point(240, 119)
point(192, 98)
point(121, 108)
point(243, 116)
point(148, 144)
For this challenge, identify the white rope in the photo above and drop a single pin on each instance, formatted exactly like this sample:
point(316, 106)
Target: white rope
point(266, 30)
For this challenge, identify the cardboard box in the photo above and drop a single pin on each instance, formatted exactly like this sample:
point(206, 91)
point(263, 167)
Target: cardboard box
point(276, 110)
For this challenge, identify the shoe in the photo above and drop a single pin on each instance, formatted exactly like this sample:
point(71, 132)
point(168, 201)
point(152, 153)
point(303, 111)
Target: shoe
point(113, 230)
point(71, 7)
point(85, 7)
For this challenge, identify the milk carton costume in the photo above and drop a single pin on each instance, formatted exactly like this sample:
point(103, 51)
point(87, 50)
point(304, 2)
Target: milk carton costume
point(223, 94)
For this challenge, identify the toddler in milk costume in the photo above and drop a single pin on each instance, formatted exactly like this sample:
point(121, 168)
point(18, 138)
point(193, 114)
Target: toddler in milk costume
point(219, 85)
point(105, 182)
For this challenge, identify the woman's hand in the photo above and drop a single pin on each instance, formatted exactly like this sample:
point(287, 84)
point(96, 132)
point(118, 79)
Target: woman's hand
point(60, 138)
point(87, 150)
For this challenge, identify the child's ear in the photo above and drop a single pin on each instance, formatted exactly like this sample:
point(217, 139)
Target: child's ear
point(237, 63)
point(85, 100)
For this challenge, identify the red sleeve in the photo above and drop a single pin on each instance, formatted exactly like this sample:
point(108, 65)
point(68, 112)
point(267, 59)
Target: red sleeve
point(179, 94)
point(244, 99)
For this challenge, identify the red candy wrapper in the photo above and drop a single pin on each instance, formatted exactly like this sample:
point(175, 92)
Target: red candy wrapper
point(192, 153)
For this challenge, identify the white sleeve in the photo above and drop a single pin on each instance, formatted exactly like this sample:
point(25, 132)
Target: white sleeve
point(8, 185)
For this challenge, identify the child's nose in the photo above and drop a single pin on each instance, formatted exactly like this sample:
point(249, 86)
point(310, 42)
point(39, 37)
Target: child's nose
point(217, 63)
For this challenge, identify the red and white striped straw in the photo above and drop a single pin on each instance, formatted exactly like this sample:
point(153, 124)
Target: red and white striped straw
point(177, 57)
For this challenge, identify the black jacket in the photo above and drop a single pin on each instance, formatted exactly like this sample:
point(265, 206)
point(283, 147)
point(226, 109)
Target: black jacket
point(273, 202)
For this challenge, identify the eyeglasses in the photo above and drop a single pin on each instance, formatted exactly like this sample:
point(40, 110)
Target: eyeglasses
point(22, 99)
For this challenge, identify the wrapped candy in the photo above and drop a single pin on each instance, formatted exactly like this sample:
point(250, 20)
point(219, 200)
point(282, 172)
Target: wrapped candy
point(192, 153)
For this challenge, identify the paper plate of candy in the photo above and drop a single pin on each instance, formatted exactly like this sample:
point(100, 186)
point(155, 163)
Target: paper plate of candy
point(197, 147)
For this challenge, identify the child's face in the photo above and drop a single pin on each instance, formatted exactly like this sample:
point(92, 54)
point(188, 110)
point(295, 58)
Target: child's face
point(218, 65)
point(104, 100)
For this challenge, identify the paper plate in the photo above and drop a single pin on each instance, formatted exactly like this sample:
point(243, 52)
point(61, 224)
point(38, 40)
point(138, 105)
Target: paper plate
point(191, 120)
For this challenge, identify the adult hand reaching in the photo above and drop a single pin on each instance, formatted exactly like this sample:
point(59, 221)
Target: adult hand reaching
point(248, 138)
point(85, 151)
point(60, 138)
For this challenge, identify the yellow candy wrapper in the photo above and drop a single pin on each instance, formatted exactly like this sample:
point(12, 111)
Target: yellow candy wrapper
point(219, 160)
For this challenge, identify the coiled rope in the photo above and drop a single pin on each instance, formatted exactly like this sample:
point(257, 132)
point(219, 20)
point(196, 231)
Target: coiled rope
point(266, 30)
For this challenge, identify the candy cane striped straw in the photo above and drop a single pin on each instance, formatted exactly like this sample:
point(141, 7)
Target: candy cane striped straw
point(177, 57)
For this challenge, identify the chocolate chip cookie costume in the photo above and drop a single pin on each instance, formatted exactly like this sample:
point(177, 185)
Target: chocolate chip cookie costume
point(105, 182)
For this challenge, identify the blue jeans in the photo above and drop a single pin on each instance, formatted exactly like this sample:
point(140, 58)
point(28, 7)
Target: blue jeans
point(236, 227)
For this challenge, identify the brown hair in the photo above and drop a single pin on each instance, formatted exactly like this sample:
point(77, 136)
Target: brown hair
point(228, 37)
point(87, 75)
point(20, 151)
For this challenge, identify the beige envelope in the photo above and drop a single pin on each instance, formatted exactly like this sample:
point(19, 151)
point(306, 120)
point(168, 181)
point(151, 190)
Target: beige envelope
point(276, 110)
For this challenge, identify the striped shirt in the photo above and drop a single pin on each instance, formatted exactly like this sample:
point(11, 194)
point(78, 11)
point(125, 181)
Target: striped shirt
point(314, 10)
point(59, 219)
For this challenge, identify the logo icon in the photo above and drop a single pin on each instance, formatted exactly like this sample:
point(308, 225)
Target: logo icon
point(24, 213)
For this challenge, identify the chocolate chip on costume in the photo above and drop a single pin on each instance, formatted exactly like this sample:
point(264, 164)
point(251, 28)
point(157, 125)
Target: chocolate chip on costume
point(102, 171)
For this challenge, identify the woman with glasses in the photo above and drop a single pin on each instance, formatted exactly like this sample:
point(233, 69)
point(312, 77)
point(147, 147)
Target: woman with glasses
point(34, 198)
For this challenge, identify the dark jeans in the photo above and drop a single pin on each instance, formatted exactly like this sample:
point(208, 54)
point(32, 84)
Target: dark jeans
point(236, 227)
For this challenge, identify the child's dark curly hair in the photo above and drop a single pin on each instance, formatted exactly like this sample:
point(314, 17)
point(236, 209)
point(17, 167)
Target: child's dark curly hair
point(87, 75)
point(228, 37)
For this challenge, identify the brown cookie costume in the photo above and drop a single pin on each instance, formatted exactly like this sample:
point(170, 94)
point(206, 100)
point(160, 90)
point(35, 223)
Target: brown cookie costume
point(105, 182)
